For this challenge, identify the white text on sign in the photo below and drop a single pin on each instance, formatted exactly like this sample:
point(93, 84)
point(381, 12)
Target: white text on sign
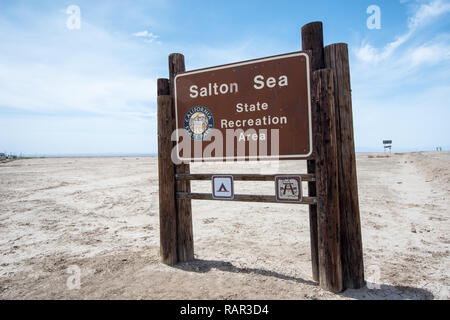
point(215, 89)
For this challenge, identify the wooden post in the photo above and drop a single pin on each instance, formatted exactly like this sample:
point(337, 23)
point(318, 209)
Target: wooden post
point(185, 239)
point(166, 173)
point(336, 58)
point(330, 268)
point(163, 87)
point(312, 41)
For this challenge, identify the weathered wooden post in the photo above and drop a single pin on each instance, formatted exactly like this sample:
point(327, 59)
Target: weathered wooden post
point(185, 240)
point(312, 41)
point(166, 172)
point(324, 217)
point(336, 58)
point(330, 267)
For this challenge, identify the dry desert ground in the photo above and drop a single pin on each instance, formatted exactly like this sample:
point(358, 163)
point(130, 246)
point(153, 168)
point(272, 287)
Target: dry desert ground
point(99, 216)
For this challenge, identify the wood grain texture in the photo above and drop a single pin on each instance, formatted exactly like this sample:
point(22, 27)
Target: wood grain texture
point(185, 237)
point(240, 197)
point(330, 267)
point(336, 58)
point(163, 88)
point(166, 174)
point(314, 237)
point(241, 177)
point(312, 42)
point(312, 39)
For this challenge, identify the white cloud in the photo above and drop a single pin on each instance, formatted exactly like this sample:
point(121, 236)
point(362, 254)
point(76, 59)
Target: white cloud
point(141, 34)
point(91, 71)
point(149, 37)
point(431, 53)
point(425, 14)
point(47, 89)
point(91, 90)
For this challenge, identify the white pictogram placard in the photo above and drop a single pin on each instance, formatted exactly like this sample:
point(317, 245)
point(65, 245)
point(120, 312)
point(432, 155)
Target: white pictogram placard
point(223, 188)
point(288, 188)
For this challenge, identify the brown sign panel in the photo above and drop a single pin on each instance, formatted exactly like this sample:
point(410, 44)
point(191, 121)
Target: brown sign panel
point(257, 109)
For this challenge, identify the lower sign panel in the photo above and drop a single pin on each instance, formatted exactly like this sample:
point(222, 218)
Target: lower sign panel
point(288, 189)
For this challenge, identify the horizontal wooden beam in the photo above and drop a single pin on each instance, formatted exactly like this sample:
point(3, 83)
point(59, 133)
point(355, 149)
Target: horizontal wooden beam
point(241, 197)
point(241, 177)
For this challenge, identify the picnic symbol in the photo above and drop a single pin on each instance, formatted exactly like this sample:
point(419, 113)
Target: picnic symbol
point(288, 188)
point(289, 185)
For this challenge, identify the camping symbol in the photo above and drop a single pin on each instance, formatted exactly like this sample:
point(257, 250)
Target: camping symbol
point(222, 187)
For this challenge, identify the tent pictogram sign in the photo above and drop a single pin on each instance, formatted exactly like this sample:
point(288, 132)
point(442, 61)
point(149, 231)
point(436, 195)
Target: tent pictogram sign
point(223, 187)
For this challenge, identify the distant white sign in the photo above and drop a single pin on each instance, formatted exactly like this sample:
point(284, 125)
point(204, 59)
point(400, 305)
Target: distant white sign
point(223, 187)
point(288, 188)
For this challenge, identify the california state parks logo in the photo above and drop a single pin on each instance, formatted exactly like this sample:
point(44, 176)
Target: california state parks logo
point(198, 122)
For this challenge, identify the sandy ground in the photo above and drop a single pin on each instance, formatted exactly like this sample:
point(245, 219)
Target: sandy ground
point(99, 216)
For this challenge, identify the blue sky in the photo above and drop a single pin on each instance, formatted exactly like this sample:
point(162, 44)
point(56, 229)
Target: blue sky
point(93, 90)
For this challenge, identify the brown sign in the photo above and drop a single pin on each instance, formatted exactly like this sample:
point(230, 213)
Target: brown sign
point(257, 109)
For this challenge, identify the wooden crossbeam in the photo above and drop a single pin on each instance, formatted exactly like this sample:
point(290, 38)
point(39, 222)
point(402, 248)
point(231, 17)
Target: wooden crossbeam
point(240, 177)
point(242, 197)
